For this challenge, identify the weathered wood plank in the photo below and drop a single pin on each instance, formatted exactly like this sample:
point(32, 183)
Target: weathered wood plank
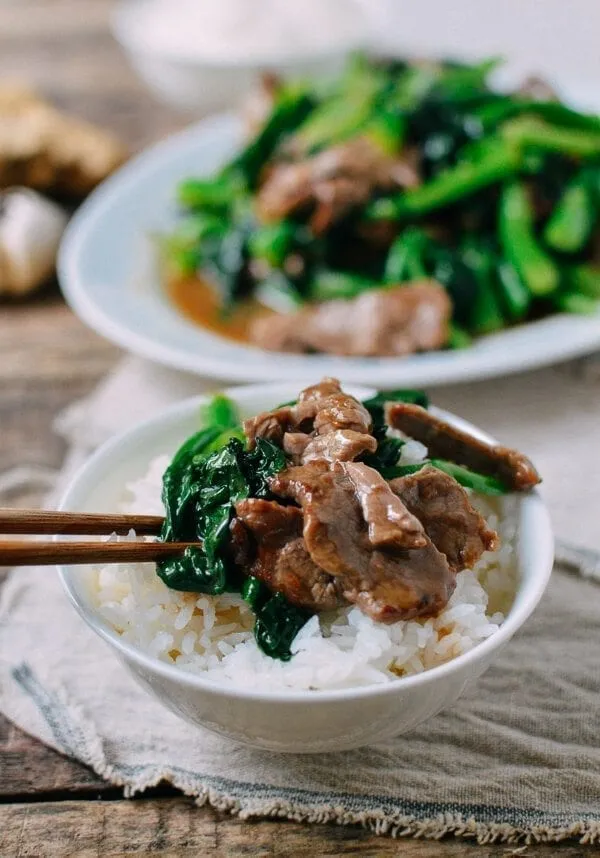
point(28, 768)
point(42, 340)
point(177, 828)
point(47, 359)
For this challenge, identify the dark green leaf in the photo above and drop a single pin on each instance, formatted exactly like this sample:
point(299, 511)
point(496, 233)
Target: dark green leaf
point(292, 106)
point(277, 624)
point(461, 284)
point(192, 573)
point(406, 257)
point(203, 497)
point(216, 194)
point(260, 465)
point(254, 593)
point(332, 285)
point(220, 411)
point(480, 483)
point(388, 450)
point(517, 233)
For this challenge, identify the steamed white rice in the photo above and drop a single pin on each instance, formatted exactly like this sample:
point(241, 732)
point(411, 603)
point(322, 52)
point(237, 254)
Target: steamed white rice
point(212, 635)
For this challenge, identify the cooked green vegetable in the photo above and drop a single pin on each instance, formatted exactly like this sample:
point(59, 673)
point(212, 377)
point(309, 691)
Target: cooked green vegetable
point(531, 133)
point(259, 465)
point(496, 196)
point(585, 280)
point(575, 302)
point(449, 268)
point(329, 285)
point(388, 447)
point(277, 624)
point(202, 510)
point(458, 338)
point(514, 295)
point(486, 314)
point(388, 450)
point(294, 103)
point(216, 194)
point(254, 592)
point(500, 161)
point(279, 293)
point(480, 483)
point(502, 108)
point(406, 258)
point(200, 489)
point(272, 242)
point(220, 411)
point(574, 217)
point(346, 111)
point(539, 272)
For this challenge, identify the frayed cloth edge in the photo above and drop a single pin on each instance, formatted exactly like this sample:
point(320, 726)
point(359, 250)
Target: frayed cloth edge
point(378, 821)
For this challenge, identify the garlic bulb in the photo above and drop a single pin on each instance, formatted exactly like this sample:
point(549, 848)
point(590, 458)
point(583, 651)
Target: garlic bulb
point(30, 231)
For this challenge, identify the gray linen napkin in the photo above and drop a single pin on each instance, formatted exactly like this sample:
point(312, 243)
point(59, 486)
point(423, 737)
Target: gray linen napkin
point(517, 758)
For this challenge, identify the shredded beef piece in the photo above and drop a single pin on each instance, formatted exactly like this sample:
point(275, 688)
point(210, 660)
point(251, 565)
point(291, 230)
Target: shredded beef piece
point(340, 445)
point(446, 442)
point(294, 444)
point(270, 425)
point(281, 560)
point(442, 506)
point(397, 320)
point(326, 395)
point(303, 583)
point(389, 522)
point(332, 183)
point(340, 411)
point(387, 584)
point(271, 523)
point(538, 89)
point(298, 482)
point(325, 423)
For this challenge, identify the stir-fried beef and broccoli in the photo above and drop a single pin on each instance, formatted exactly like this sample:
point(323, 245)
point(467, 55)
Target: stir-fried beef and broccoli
point(399, 208)
point(310, 507)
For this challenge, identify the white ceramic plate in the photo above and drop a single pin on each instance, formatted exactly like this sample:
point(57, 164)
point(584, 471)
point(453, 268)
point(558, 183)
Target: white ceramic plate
point(109, 277)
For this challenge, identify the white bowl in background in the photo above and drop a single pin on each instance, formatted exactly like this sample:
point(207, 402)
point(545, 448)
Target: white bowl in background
point(206, 84)
point(294, 721)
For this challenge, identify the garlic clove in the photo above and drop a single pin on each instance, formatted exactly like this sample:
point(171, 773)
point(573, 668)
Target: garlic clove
point(30, 231)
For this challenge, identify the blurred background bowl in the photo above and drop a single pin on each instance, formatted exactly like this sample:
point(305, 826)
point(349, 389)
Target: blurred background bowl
point(551, 38)
point(200, 83)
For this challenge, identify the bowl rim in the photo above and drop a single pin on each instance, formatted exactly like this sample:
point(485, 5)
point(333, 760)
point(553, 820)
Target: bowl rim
point(532, 590)
point(122, 30)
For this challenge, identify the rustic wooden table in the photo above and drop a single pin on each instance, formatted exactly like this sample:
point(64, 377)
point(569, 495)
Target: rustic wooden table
point(51, 806)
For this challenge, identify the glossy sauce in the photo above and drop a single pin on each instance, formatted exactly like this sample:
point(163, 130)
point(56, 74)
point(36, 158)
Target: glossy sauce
point(200, 303)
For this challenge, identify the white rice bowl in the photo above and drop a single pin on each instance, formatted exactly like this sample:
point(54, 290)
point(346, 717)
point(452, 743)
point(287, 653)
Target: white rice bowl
point(212, 635)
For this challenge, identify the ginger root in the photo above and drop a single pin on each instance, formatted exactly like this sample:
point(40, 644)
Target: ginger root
point(42, 148)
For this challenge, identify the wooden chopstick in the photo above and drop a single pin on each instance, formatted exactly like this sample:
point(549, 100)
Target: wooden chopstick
point(50, 553)
point(49, 522)
point(40, 521)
